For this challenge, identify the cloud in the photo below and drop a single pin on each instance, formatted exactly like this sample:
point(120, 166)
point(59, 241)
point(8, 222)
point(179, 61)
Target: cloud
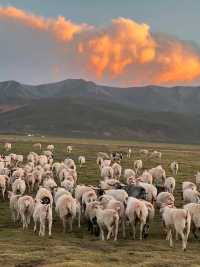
point(38, 49)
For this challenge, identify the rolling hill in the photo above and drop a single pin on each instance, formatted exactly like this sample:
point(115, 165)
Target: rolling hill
point(78, 108)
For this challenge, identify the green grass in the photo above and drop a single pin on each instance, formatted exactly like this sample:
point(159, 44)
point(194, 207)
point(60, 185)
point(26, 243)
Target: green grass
point(24, 249)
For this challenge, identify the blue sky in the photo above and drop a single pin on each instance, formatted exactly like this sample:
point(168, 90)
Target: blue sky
point(180, 18)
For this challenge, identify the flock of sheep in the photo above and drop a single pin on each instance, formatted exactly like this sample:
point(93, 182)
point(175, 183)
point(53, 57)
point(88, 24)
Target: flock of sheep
point(38, 186)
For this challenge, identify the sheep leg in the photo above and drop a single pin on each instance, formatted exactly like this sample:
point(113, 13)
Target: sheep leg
point(64, 224)
point(123, 228)
point(133, 228)
point(183, 237)
point(110, 228)
point(116, 229)
point(50, 226)
point(170, 239)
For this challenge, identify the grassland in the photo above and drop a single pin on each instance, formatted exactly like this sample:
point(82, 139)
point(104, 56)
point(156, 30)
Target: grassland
point(24, 249)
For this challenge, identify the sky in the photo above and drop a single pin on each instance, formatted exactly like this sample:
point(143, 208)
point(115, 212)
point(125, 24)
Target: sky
point(121, 43)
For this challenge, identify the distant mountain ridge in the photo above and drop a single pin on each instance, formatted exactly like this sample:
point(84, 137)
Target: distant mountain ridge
point(155, 98)
point(75, 107)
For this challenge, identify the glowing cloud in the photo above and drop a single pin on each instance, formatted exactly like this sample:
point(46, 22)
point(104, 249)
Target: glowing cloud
point(122, 53)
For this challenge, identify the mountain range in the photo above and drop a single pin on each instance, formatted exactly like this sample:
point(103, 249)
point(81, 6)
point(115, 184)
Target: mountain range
point(79, 108)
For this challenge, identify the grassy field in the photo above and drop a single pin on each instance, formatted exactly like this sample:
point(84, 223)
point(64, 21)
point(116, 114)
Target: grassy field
point(24, 249)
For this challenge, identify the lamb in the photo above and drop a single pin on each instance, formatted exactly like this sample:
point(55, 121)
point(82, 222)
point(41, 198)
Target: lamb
point(66, 208)
point(138, 165)
point(178, 220)
point(165, 198)
point(110, 202)
point(174, 167)
point(136, 211)
point(191, 196)
point(194, 210)
point(117, 170)
point(41, 214)
point(26, 208)
point(90, 215)
point(170, 184)
point(19, 186)
point(108, 218)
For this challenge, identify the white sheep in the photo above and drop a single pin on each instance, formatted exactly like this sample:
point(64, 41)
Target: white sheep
point(165, 198)
point(69, 149)
point(178, 220)
point(138, 165)
point(66, 208)
point(194, 210)
point(109, 219)
point(49, 183)
point(110, 202)
point(136, 211)
point(4, 181)
point(107, 172)
point(128, 173)
point(174, 167)
point(117, 170)
point(26, 207)
point(70, 164)
point(191, 196)
point(188, 185)
point(129, 153)
point(41, 214)
point(146, 177)
point(158, 174)
point(118, 194)
point(50, 147)
point(14, 205)
point(7, 146)
point(43, 193)
point(19, 186)
point(151, 191)
point(81, 160)
point(170, 184)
